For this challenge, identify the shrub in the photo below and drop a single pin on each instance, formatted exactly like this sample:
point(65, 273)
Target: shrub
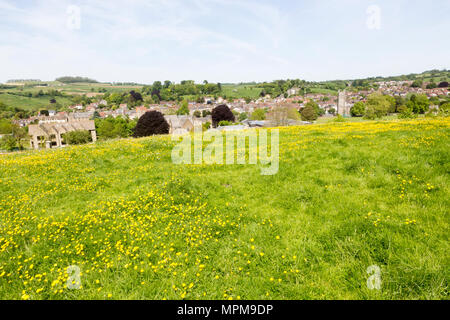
point(225, 123)
point(222, 113)
point(184, 109)
point(418, 103)
point(309, 112)
point(77, 137)
point(5, 126)
point(206, 113)
point(197, 114)
point(206, 125)
point(242, 116)
point(406, 113)
point(377, 106)
point(339, 118)
point(8, 143)
point(258, 114)
point(110, 127)
point(445, 108)
point(417, 84)
point(151, 123)
point(358, 109)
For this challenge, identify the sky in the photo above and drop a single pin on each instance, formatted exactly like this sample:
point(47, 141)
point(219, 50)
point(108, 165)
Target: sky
point(221, 40)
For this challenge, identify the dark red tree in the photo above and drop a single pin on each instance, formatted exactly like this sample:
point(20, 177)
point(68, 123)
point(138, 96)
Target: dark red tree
point(151, 123)
point(222, 113)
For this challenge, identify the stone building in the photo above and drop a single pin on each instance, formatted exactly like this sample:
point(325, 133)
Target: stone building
point(183, 124)
point(343, 108)
point(50, 134)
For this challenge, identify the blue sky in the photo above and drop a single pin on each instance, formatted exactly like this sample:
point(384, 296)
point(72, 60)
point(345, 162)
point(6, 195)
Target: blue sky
point(221, 40)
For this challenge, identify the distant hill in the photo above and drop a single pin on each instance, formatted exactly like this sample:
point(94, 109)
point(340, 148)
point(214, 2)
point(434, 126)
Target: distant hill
point(75, 80)
point(23, 80)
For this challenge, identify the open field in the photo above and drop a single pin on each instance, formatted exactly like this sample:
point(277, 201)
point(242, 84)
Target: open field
point(347, 196)
point(31, 103)
point(241, 91)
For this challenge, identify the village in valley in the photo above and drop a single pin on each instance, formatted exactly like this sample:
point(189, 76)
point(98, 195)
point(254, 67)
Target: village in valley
point(224, 158)
point(282, 107)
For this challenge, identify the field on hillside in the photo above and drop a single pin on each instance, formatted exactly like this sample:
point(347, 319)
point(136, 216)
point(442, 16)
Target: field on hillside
point(31, 103)
point(238, 91)
point(12, 96)
point(347, 196)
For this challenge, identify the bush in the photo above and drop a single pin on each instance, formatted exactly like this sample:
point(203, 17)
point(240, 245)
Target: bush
point(358, 109)
point(197, 114)
point(339, 118)
point(417, 84)
point(225, 123)
point(242, 116)
point(407, 114)
point(206, 113)
point(222, 113)
point(445, 108)
point(206, 125)
point(8, 143)
point(258, 114)
point(151, 123)
point(377, 106)
point(77, 137)
point(110, 127)
point(418, 103)
point(5, 126)
point(309, 112)
point(184, 109)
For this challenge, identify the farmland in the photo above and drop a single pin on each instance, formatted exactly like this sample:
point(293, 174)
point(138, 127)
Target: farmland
point(347, 196)
point(21, 95)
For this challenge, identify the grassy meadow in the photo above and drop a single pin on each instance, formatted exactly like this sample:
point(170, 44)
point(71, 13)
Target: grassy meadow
point(12, 96)
point(347, 196)
point(237, 91)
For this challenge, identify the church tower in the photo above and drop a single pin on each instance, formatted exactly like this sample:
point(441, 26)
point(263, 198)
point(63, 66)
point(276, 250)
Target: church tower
point(343, 108)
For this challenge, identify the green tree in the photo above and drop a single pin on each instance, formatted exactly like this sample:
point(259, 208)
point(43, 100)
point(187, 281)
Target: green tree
point(358, 109)
point(242, 116)
point(392, 103)
point(377, 106)
point(197, 114)
point(105, 128)
point(5, 126)
point(309, 112)
point(417, 84)
point(258, 114)
point(8, 143)
point(77, 137)
point(419, 103)
point(19, 134)
point(184, 109)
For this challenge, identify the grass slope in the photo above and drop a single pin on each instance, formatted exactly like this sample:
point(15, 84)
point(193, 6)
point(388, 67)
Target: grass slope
point(347, 196)
point(31, 103)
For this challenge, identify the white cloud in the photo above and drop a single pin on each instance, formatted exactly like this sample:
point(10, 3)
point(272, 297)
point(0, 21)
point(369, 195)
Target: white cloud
point(218, 40)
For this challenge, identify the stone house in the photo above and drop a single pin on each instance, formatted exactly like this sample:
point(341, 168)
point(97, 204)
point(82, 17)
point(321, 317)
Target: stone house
point(50, 134)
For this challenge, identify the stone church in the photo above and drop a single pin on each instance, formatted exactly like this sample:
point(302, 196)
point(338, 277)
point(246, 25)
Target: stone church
point(343, 108)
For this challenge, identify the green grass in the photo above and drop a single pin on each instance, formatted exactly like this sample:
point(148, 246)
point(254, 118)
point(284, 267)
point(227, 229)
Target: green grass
point(347, 196)
point(31, 103)
point(323, 91)
point(240, 91)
